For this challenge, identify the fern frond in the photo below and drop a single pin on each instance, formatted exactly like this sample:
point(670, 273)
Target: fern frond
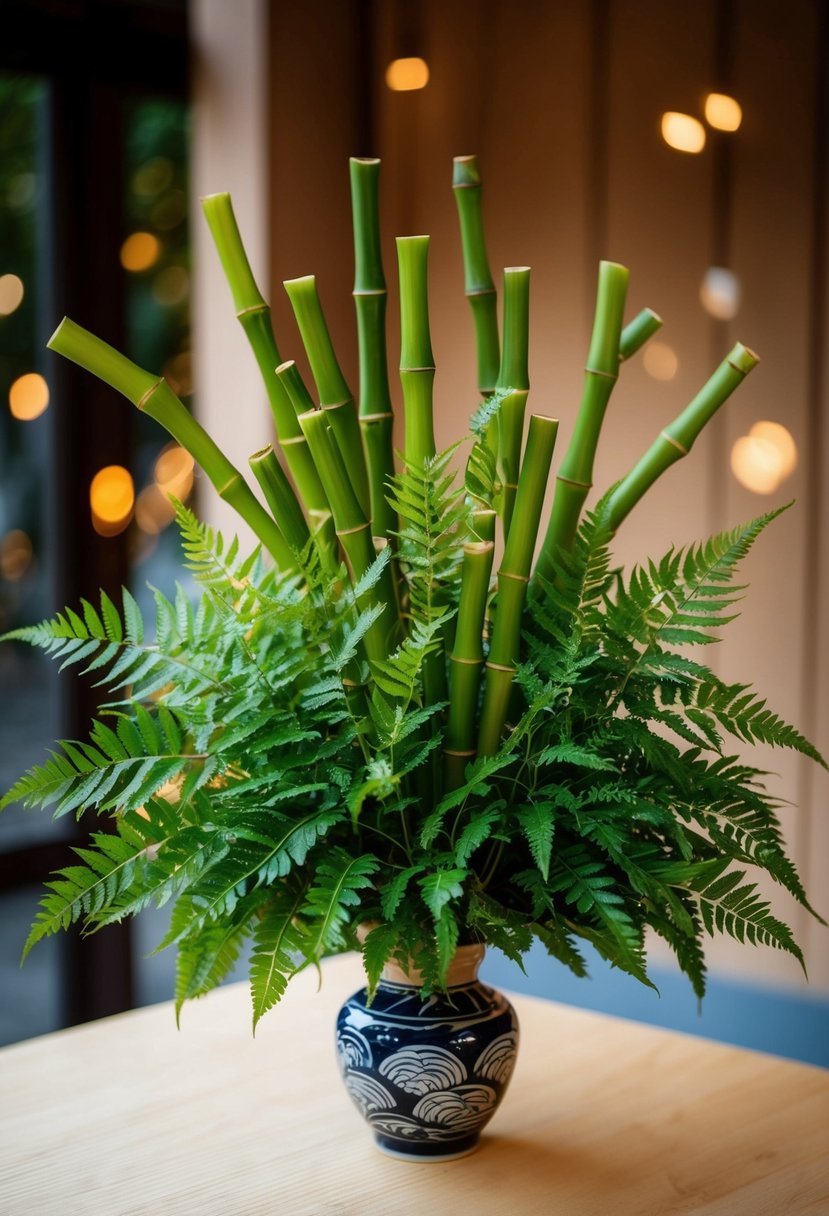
point(332, 898)
point(278, 947)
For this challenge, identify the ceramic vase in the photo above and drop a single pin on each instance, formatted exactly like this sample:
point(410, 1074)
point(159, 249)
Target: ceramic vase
point(428, 1075)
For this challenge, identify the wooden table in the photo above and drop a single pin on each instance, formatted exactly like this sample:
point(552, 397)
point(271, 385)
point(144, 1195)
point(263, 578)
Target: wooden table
point(127, 1116)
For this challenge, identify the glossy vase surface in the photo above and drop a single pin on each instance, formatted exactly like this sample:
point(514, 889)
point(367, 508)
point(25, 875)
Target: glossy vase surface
point(428, 1075)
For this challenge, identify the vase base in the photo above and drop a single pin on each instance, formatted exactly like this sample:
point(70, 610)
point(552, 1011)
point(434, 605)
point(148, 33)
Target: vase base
point(421, 1151)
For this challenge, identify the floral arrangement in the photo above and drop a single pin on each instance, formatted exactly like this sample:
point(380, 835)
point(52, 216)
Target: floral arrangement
point(357, 725)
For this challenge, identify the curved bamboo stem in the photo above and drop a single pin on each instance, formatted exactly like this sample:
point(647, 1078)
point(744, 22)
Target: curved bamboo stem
point(479, 284)
point(678, 438)
point(575, 475)
point(254, 315)
point(513, 577)
point(417, 363)
point(376, 414)
point(153, 396)
point(334, 394)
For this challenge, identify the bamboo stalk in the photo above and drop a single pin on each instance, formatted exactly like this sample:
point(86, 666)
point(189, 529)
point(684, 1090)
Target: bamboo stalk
point(254, 315)
point(513, 374)
point(637, 332)
point(678, 438)
point(513, 577)
point(467, 660)
point(483, 524)
point(352, 527)
point(417, 363)
point(280, 497)
point(370, 296)
point(153, 396)
point(334, 394)
point(479, 285)
point(575, 475)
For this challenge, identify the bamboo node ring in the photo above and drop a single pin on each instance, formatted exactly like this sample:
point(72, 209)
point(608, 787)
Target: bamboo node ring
point(519, 578)
point(248, 312)
point(670, 439)
point(597, 371)
point(349, 531)
point(454, 658)
point(501, 667)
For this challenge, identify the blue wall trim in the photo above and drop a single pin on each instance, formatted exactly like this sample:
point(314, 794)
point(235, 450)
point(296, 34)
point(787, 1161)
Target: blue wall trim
point(777, 1021)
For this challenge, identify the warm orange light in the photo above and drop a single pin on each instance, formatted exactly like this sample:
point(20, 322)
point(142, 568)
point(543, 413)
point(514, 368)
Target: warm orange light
point(682, 132)
point(660, 361)
point(174, 471)
point(140, 251)
point(11, 294)
point(723, 112)
point(781, 440)
point(111, 500)
point(403, 75)
point(756, 464)
point(153, 510)
point(15, 555)
point(171, 286)
point(28, 396)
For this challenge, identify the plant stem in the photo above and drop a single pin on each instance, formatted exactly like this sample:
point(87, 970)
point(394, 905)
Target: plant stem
point(575, 475)
point(466, 660)
point(637, 332)
point(483, 524)
point(353, 529)
point(513, 577)
point(513, 374)
point(254, 315)
point(417, 363)
point(370, 296)
point(334, 394)
point(153, 396)
point(479, 284)
point(281, 499)
point(677, 439)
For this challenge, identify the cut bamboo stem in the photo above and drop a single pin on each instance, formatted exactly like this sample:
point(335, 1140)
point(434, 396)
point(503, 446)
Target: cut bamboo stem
point(513, 577)
point(154, 397)
point(678, 438)
point(479, 284)
point(637, 332)
point(370, 297)
point(334, 394)
point(281, 499)
point(417, 363)
point(254, 315)
point(575, 475)
point(466, 660)
point(352, 527)
point(513, 374)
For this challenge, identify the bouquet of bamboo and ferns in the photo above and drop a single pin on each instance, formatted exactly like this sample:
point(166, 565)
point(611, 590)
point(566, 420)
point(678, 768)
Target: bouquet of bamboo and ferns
point(357, 724)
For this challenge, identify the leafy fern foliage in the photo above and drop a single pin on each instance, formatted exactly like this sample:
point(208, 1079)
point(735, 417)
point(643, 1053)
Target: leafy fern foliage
point(278, 791)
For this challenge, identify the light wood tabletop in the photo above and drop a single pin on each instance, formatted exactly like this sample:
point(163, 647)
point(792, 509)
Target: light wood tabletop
point(128, 1116)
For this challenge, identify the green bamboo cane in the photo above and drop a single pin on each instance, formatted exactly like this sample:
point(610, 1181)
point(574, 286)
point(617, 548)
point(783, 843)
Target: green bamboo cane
point(370, 296)
point(483, 524)
point(153, 396)
point(322, 522)
point(479, 284)
point(353, 529)
point(417, 363)
point(334, 394)
point(575, 475)
point(513, 577)
point(677, 439)
point(637, 332)
point(280, 497)
point(514, 374)
point(254, 315)
point(466, 660)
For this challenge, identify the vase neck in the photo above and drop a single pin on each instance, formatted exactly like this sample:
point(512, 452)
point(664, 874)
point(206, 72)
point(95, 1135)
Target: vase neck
point(462, 970)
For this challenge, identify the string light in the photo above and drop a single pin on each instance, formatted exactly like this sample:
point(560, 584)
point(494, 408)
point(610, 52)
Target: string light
point(723, 112)
point(682, 132)
point(404, 75)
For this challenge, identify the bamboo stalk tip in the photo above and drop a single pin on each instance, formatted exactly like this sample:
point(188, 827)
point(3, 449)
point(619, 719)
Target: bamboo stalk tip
point(654, 316)
point(284, 367)
point(65, 325)
point(465, 171)
point(306, 282)
point(364, 160)
point(411, 240)
point(262, 454)
point(220, 196)
point(743, 358)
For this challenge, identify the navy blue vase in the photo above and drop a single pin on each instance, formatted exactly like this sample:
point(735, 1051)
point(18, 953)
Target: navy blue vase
point(428, 1075)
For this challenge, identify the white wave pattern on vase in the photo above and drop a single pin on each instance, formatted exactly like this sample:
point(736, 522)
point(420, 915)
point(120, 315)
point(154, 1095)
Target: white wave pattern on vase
point(354, 1049)
point(497, 1060)
point(368, 1093)
point(422, 1069)
point(459, 1109)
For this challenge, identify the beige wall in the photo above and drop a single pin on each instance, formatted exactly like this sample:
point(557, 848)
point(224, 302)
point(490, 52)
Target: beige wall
point(562, 103)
